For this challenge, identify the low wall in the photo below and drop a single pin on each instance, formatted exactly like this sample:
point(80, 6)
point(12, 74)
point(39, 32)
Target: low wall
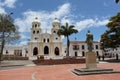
point(59, 61)
point(12, 57)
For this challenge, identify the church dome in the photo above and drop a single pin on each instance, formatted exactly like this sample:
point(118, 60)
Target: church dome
point(36, 19)
point(56, 20)
point(36, 23)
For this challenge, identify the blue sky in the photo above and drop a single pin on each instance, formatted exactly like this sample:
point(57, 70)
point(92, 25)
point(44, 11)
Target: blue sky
point(86, 15)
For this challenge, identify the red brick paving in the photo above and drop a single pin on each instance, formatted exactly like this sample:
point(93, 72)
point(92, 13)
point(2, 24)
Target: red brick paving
point(58, 72)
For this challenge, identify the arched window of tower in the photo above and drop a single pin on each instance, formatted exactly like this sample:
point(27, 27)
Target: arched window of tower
point(56, 38)
point(36, 38)
point(33, 32)
point(53, 25)
point(37, 31)
point(54, 31)
point(35, 25)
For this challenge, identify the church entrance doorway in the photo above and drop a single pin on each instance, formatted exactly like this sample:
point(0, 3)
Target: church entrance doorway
point(35, 51)
point(57, 51)
point(46, 50)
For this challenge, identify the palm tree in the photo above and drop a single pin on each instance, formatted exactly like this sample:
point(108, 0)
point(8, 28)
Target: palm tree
point(67, 31)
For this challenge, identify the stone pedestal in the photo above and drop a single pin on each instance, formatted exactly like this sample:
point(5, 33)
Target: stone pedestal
point(91, 60)
point(91, 67)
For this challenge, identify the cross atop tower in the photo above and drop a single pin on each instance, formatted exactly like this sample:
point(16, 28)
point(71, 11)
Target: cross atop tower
point(36, 19)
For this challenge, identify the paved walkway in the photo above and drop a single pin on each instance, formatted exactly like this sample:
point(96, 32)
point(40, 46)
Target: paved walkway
point(10, 64)
point(57, 72)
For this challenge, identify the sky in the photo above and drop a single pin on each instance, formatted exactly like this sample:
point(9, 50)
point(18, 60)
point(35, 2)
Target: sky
point(85, 15)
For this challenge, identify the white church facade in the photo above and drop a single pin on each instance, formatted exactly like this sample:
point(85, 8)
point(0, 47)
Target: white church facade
point(45, 44)
point(49, 45)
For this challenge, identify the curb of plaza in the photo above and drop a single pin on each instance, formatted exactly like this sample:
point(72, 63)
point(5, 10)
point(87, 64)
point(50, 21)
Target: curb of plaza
point(10, 65)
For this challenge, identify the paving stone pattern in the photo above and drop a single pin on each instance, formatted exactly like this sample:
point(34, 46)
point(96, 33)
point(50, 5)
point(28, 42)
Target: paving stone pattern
point(57, 72)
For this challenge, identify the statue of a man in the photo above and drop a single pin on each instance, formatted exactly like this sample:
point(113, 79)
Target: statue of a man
point(89, 41)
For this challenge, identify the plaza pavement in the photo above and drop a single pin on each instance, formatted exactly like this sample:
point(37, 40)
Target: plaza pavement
point(11, 64)
point(57, 72)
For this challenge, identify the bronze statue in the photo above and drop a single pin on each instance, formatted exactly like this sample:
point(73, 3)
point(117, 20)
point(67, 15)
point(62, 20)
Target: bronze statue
point(89, 41)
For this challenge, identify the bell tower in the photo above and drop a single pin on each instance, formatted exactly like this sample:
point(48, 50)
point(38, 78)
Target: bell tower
point(55, 25)
point(54, 30)
point(35, 30)
point(56, 39)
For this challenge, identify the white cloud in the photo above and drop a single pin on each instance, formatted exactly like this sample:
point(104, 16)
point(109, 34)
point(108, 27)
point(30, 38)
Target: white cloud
point(69, 19)
point(84, 24)
point(2, 10)
point(44, 17)
point(6, 3)
point(102, 22)
point(90, 23)
point(105, 4)
point(23, 42)
point(23, 36)
point(63, 12)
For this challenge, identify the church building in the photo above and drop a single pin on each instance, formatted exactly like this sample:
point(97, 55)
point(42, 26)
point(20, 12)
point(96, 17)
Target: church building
point(45, 44)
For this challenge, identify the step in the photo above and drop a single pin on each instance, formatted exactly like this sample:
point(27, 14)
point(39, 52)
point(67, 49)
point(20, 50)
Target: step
point(92, 70)
point(94, 73)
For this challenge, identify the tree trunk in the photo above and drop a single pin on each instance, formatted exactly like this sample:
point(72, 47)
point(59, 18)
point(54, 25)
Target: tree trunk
point(2, 46)
point(67, 55)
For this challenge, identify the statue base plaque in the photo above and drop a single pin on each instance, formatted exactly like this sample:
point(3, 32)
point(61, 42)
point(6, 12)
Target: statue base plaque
point(91, 60)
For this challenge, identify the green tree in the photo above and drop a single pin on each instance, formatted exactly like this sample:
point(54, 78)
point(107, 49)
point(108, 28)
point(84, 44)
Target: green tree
point(67, 31)
point(111, 37)
point(8, 31)
point(104, 41)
